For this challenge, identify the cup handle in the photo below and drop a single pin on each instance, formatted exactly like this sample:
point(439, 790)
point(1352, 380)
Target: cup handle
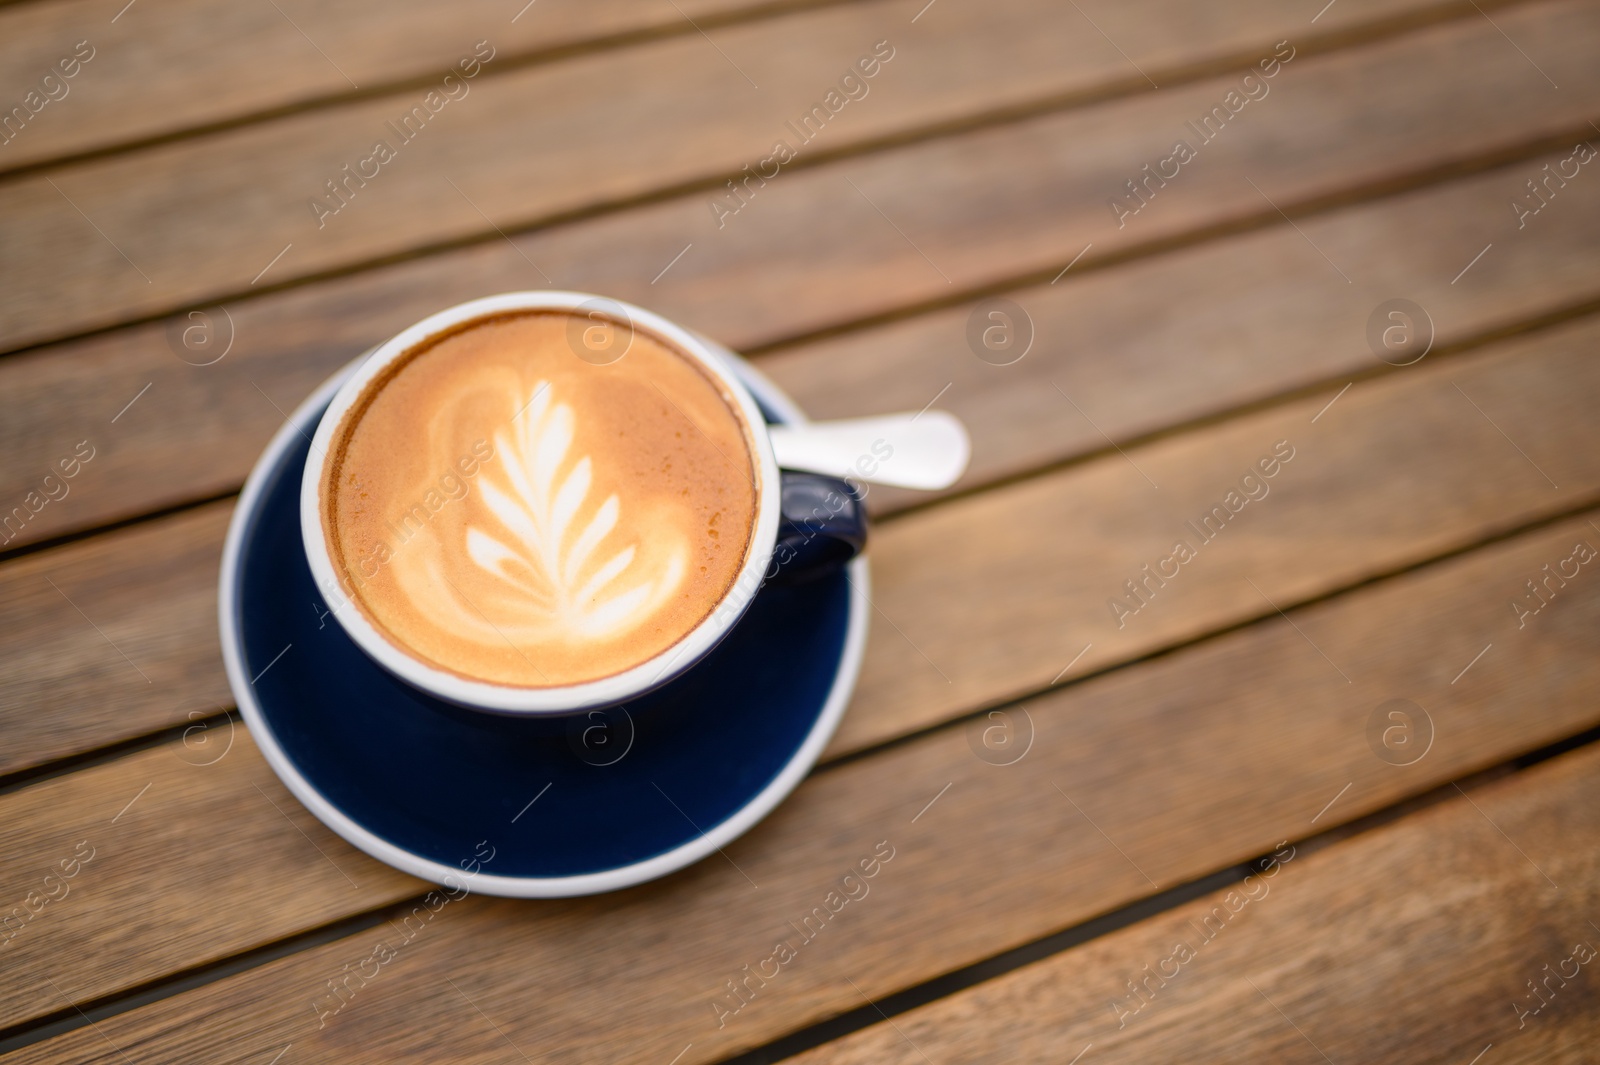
point(824, 525)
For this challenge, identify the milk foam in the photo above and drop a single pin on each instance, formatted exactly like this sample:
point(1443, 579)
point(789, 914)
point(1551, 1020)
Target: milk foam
point(587, 517)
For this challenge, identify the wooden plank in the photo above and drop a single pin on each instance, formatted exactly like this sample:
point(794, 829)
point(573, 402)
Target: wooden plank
point(1399, 469)
point(154, 838)
point(140, 82)
point(243, 196)
point(1259, 307)
point(1183, 335)
point(1190, 763)
point(258, 63)
point(111, 638)
point(1428, 940)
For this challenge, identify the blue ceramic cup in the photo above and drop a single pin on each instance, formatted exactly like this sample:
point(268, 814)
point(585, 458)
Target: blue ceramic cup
point(804, 524)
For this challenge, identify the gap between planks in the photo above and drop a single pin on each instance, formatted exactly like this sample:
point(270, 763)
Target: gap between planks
point(522, 60)
point(1180, 75)
point(886, 1008)
point(54, 1024)
point(1265, 221)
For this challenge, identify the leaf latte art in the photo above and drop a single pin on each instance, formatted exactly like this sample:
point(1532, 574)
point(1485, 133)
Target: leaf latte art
point(505, 511)
point(558, 572)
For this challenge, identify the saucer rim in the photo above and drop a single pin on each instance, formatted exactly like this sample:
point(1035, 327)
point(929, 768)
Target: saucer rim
point(757, 807)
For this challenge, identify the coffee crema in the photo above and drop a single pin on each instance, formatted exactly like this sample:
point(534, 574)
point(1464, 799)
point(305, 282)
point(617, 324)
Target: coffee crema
point(505, 511)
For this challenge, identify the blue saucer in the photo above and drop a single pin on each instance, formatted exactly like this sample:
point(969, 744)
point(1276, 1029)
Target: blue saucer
point(508, 806)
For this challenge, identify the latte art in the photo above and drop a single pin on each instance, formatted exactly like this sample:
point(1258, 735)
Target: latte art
point(602, 512)
point(559, 575)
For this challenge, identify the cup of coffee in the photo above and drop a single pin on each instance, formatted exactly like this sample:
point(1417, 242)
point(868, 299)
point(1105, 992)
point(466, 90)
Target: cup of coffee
point(546, 502)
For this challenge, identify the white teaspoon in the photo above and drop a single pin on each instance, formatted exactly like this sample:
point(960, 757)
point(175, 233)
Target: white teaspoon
point(927, 450)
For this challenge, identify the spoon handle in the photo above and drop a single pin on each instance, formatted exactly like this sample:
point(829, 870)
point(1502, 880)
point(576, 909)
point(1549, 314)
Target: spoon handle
point(928, 450)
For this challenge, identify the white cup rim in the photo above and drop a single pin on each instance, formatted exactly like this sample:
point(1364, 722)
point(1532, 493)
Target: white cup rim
point(566, 699)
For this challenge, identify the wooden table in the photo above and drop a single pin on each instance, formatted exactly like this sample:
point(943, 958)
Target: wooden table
point(1320, 786)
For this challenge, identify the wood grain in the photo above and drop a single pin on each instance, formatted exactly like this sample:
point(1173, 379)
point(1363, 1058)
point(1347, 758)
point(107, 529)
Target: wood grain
point(991, 597)
point(163, 858)
point(254, 60)
point(1399, 469)
point(243, 197)
point(1231, 724)
point(111, 638)
point(1418, 941)
point(1188, 763)
point(259, 62)
point(1184, 335)
point(1243, 317)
